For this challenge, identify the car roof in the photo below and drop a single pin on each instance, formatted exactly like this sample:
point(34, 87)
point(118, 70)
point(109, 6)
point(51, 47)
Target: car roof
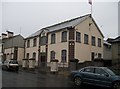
point(94, 67)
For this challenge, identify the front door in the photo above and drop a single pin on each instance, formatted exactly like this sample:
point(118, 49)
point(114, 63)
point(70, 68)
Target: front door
point(92, 56)
point(43, 60)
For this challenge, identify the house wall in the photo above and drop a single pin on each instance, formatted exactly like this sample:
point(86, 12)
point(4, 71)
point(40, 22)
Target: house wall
point(58, 46)
point(115, 51)
point(107, 52)
point(20, 55)
point(32, 49)
point(9, 51)
point(83, 51)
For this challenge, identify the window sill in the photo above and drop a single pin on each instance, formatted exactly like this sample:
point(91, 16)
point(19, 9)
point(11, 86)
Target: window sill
point(86, 43)
point(52, 43)
point(63, 41)
point(63, 62)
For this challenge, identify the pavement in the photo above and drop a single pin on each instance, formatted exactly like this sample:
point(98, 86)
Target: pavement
point(25, 78)
point(36, 71)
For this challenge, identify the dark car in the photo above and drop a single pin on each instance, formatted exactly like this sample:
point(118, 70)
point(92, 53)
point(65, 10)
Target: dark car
point(10, 65)
point(100, 76)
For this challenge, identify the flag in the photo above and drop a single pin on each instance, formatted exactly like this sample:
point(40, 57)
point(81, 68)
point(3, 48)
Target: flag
point(90, 2)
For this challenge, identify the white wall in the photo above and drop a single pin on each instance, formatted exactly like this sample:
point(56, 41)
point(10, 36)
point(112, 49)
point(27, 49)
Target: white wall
point(58, 46)
point(83, 51)
point(32, 49)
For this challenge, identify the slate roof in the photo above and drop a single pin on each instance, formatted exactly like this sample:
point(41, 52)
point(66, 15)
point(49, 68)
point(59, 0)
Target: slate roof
point(16, 40)
point(68, 23)
point(61, 25)
point(65, 24)
point(117, 39)
point(106, 43)
point(35, 34)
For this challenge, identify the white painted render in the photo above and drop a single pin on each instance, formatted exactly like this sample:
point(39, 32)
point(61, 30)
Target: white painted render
point(83, 51)
point(32, 49)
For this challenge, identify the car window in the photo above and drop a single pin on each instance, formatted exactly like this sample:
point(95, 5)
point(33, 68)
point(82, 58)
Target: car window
point(89, 70)
point(109, 71)
point(81, 70)
point(100, 71)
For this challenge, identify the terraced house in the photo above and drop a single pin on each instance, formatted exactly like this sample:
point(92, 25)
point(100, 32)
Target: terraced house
point(12, 47)
point(79, 38)
point(32, 46)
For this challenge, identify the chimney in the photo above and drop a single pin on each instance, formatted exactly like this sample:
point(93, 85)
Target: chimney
point(9, 34)
point(4, 35)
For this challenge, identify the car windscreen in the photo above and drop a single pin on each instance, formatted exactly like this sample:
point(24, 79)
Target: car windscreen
point(109, 71)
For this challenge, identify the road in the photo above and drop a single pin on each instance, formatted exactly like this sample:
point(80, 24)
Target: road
point(27, 79)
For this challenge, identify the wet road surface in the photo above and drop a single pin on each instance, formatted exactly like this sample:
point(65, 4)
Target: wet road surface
point(26, 79)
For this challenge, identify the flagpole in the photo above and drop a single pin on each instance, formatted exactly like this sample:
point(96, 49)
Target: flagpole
point(91, 10)
point(90, 2)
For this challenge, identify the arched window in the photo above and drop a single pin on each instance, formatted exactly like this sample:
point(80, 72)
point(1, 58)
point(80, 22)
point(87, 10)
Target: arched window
point(34, 42)
point(27, 55)
point(53, 37)
point(64, 36)
point(28, 43)
point(52, 55)
point(64, 56)
point(34, 55)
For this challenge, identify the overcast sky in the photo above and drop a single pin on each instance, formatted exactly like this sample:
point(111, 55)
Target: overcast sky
point(30, 16)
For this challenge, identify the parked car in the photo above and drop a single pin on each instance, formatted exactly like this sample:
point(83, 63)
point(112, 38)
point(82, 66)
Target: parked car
point(99, 76)
point(10, 65)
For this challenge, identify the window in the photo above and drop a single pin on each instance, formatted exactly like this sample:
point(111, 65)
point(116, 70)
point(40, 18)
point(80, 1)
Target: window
point(28, 43)
point(93, 41)
point(78, 37)
point(89, 70)
point(27, 55)
point(53, 38)
point(34, 42)
point(64, 36)
point(100, 71)
point(63, 56)
point(43, 40)
point(52, 55)
point(4, 56)
point(99, 42)
point(34, 55)
point(85, 39)
point(99, 55)
point(92, 56)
